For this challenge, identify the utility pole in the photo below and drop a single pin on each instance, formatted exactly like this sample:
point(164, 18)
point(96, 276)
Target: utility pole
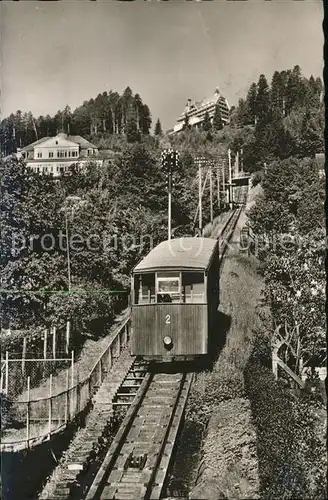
point(218, 185)
point(224, 184)
point(237, 164)
point(71, 200)
point(67, 253)
point(211, 193)
point(230, 179)
point(169, 185)
point(170, 162)
point(200, 197)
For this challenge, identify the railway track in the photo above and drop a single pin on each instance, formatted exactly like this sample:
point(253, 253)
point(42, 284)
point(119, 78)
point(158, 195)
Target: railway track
point(136, 464)
point(227, 231)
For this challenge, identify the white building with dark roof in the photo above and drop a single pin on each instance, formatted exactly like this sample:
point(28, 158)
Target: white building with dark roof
point(55, 155)
point(196, 110)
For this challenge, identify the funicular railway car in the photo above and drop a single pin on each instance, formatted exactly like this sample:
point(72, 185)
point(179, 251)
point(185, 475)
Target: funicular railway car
point(175, 297)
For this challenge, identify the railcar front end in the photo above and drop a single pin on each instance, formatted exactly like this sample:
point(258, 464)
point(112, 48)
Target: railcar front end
point(169, 314)
point(174, 297)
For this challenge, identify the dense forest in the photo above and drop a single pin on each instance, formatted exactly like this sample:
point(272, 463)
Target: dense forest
point(286, 117)
point(108, 114)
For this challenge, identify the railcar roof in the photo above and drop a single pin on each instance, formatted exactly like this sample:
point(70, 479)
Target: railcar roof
point(180, 253)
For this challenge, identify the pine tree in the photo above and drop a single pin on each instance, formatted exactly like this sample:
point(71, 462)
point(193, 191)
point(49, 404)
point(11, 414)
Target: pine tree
point(262, 99)
point(132, 132)
point(275, 92)
point(158, 128)
point(251, 100)
point(217, 118)
point(207, 125)
point(186, 124)
point(294, 89)
point(242, 113)
point(145, 120)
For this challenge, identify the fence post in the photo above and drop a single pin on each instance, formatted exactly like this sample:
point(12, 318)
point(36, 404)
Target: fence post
point(100, 372)
point(118, 345)
point(68, 333)
point(78, 394)
point(109, 357)
point(45, 338)
point(72, 369)
point(50, 403)
point(7, 372)
point(67, 396)
point(1, 383)
point(54, 334)
point(24, 355)
point(125, 335)
point(275, 363)
point(28, 412)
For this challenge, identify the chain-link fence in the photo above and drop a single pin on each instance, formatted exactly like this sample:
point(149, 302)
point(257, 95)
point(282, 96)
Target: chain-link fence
point(16, 373)
point(40, 411)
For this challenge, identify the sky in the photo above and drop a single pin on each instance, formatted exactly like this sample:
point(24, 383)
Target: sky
point(64, 52)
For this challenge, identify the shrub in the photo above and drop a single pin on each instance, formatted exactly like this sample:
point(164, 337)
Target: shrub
point(290, 455)
point(5, 409)
point(212, 388)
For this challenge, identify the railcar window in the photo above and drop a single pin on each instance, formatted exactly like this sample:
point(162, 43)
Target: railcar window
point(168, 287)
point(193, 287)
point(144, 288)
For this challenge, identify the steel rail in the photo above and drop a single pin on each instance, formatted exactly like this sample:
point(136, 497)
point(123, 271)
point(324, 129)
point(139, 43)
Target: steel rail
point(145, 482)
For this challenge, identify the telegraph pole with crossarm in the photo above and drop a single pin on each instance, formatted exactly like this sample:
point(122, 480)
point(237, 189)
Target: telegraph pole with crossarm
point(170, 164)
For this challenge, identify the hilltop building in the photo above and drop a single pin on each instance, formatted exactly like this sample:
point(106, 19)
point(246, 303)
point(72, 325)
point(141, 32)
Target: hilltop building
point(195, 111)
point(54, 155)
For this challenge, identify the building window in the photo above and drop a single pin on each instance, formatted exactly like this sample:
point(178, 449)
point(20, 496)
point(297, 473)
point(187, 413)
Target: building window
point(51, 154)
point(61, 154)
point(74, 153)
point(39, 155)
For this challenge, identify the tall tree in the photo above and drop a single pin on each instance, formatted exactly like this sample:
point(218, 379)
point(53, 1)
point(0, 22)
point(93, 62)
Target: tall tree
point(242, 116)
point(132, 132)
point(217, 118)
point(186, 124)
point(251, 102)
point(158, 128)
point(207, 124)
point(138, 104)
point(262, 99)
point(145, 120)
point(294, 89)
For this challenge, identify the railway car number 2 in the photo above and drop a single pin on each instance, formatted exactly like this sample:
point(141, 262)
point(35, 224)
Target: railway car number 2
point(167, 319)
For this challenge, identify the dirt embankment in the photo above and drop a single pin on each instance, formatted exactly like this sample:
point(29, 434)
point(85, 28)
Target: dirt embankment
point(228, 468)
